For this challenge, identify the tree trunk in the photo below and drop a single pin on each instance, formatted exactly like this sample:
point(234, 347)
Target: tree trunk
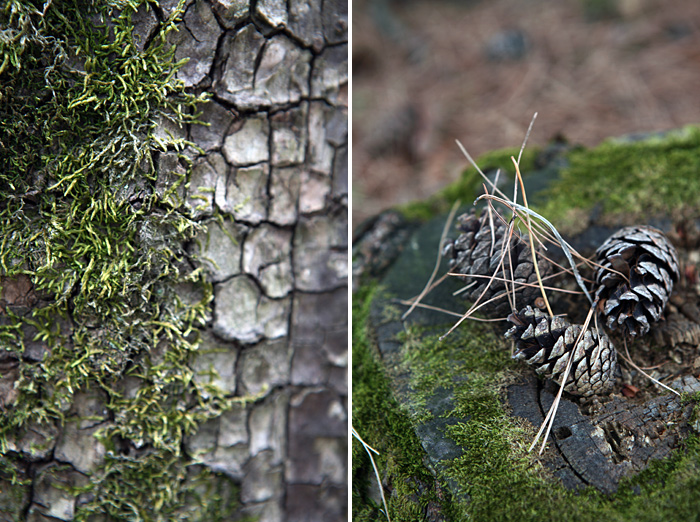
point(174, 270)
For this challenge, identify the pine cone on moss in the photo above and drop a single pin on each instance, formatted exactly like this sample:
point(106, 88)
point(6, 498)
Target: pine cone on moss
point(477, 252)
point(547, 343)
point(645, 267)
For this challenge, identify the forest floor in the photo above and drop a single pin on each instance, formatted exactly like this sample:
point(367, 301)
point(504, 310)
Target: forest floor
point(428, 73)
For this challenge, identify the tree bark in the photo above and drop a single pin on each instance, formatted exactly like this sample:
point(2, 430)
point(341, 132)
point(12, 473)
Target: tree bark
point(264, 184)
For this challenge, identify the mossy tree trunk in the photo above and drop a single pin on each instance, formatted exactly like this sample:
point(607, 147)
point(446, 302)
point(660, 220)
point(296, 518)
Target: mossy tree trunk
point(173, 263)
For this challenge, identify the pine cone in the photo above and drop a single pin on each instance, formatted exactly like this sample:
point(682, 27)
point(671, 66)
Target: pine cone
point(649, 264)
point(475, 252)
point(546, 343)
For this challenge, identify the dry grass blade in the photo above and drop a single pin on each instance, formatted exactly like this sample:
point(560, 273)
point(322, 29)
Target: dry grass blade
point(430, 287)
point(490, 211)
point(531, 285)
point(369, 449)
point(628, 359)
point(447, 226)
point(511, 230)
point(444, 311)
point(479, 304)
point(527, 137)
point(532, 243)
point(473, 164)
point(551, 414)
point(464, 288)
point(566, 248)
point(563, 269)
point(520, 154)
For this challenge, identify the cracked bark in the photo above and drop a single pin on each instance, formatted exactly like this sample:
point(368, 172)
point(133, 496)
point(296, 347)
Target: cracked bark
point(277, 171)
point(275, 174)
point(263, 73)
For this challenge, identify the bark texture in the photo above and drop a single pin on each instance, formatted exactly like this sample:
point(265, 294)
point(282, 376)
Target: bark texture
point(268, 192)
point(275, 169)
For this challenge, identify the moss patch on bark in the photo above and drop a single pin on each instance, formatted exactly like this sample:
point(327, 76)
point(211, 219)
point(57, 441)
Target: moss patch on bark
point(85, 217)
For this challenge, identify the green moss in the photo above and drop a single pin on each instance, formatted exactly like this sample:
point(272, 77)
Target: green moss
point(126, 492)
point(475, 363)
point(497, 478)
point(378, 419)
point(468, 187)
point(80, 106)
point(631, 179)
point(634, 179)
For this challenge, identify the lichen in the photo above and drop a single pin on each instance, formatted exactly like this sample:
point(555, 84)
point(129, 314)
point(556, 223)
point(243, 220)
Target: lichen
point(81, 105)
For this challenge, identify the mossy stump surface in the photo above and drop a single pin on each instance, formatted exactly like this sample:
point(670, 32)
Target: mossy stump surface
point(474, 411)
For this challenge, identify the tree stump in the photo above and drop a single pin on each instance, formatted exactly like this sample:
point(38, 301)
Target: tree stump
point(601, 443)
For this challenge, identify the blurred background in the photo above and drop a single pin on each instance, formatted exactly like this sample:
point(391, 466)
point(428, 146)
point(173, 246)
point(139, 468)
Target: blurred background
point(428, 72)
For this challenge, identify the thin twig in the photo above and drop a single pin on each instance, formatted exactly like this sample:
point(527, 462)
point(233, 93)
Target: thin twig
point(369, 449)
point(445, 229)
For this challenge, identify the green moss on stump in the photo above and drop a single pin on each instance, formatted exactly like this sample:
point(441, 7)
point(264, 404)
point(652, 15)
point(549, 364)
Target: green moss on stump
point(475, 364)
point(378, 419)
point(633, 180)
point(81, 104)
point(499, 480)
point(468, 186)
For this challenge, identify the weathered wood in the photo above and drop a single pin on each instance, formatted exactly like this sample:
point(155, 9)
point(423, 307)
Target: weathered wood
point(593, 443)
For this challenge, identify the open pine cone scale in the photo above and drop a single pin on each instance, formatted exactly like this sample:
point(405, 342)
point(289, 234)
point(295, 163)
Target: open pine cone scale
point(638, 267)
point(547, 343)
point(478, 251)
